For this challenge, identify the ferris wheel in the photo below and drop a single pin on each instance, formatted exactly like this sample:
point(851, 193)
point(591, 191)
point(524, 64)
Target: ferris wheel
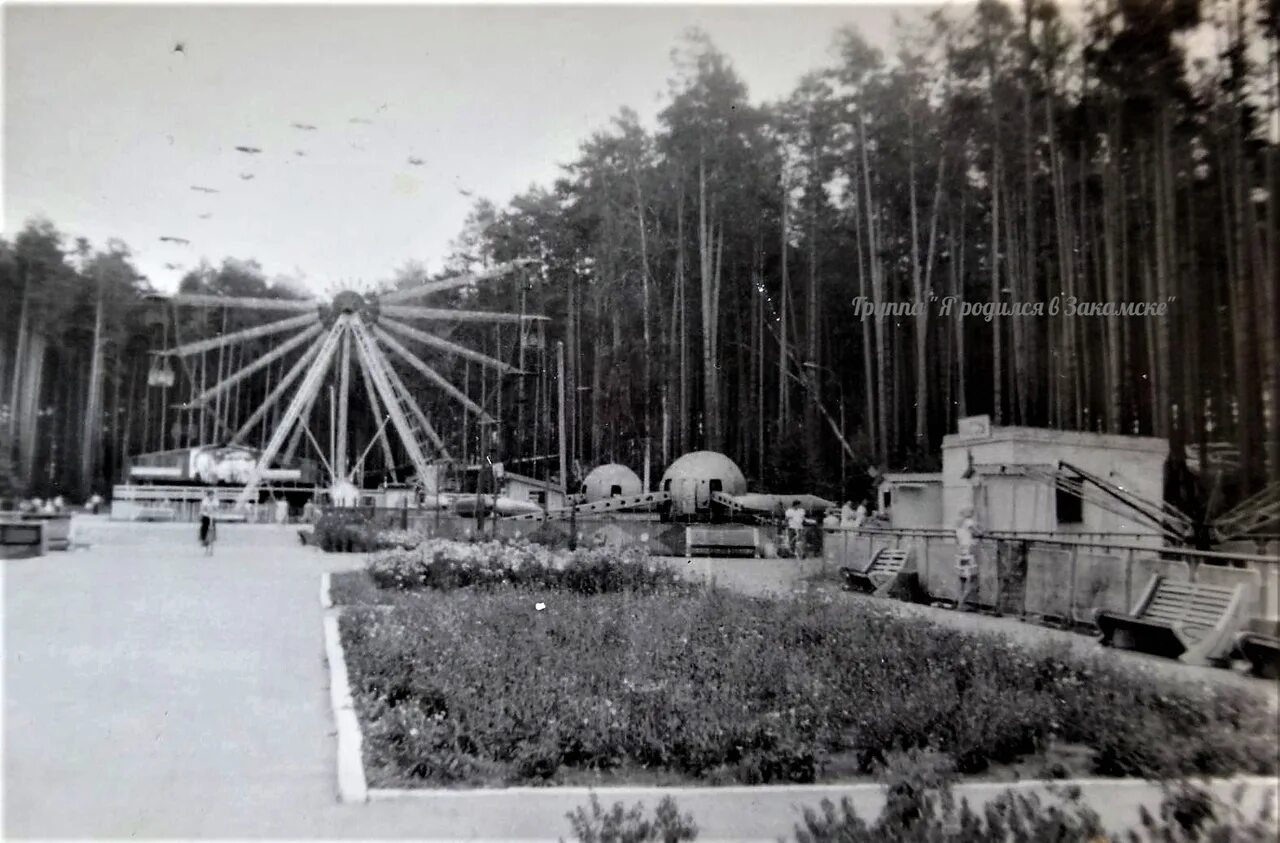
point(371, 328)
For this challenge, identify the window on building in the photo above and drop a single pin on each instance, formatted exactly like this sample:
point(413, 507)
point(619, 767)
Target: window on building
point(538, 496)
point(886, 499)
point(717, 485)
point(615, 491)
point(1070, 507)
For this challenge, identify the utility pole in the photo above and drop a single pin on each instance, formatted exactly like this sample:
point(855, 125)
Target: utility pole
point(564, 477)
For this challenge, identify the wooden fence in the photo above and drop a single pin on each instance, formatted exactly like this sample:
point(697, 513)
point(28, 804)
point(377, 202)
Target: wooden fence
point(1060, 579)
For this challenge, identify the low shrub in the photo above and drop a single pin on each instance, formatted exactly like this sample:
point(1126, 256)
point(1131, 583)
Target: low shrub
point(445, 564)
point(920, 806)
point(619, 825)
point(344, 531)
point(489, 685)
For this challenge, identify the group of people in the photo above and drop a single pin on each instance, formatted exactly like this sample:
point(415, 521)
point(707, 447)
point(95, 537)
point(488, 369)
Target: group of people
point(52, 506)
point(796, 518)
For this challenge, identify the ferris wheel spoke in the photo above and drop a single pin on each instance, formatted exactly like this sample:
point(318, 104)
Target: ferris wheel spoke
point(425, 338)
point(256, 332)
point(280, 389)
point(396, 382)
point(444, 284)
point(430, 373)
point(441, 314)
point(243, 302)
point(374, 407)
point(262, 362)
point(395, 402)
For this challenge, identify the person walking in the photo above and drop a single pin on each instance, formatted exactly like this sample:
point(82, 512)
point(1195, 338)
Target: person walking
point(208, 506)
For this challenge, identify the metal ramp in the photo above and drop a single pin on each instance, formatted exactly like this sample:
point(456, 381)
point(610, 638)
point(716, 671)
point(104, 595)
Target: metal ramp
point(1194, 622)
point(617, 504)
point(887, 567)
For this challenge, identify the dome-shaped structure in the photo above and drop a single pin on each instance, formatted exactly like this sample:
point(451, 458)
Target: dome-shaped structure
point(693, 478)
point(610, 480)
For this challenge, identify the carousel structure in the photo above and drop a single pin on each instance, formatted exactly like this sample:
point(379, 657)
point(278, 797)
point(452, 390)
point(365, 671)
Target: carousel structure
point(366, 333)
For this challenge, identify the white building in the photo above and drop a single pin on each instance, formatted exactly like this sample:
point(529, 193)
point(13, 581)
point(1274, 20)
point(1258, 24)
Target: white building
point(1005, 475)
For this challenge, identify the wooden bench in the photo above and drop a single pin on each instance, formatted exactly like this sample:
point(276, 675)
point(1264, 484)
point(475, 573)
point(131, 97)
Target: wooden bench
point(1194, 622)
point(888, 566)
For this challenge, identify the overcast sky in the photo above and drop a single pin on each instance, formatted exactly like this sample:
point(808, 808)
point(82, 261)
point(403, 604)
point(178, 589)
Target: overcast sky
point(107, 128)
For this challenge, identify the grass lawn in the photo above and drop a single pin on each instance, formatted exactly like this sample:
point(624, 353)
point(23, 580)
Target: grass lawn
point(478, 686)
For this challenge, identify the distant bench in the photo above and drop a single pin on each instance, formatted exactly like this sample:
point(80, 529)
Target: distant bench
point(1194, 622)
point(734, 540)
point(887, 567)
point(21, 539)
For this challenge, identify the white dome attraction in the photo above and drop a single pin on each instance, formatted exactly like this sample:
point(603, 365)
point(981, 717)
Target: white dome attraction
point(610, 480)
point(708, 466)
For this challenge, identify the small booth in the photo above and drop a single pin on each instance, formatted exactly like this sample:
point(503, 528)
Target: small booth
point(912, 501)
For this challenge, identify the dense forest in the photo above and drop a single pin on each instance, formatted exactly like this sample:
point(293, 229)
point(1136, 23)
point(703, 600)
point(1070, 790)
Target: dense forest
point(818, 287)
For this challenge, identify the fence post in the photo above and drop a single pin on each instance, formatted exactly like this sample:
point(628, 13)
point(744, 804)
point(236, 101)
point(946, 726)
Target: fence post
point(925, 551)
point(1128, 581)
point(1071, 598)
point(995, 600)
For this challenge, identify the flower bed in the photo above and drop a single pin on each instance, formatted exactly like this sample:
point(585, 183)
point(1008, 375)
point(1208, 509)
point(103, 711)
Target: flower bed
point(474, 678)
point(446, 564)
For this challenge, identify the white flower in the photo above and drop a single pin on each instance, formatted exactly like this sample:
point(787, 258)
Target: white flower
point(539, 606)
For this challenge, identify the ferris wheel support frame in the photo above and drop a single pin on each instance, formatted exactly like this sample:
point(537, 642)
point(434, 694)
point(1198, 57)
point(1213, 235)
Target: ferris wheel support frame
point(305, 394)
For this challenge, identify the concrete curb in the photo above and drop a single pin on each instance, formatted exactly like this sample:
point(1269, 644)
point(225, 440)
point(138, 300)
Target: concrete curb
point(326, 598)
point(351, 781)
point(980, 790)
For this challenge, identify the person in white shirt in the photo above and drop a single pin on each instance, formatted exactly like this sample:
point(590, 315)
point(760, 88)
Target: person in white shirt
point(795, 526)
point(966, 569)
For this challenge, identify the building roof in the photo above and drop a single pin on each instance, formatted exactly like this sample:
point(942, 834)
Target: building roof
point(904, 479)
point(1050, 436)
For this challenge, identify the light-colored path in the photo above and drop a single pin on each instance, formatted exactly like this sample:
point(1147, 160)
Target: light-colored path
point(152, 692)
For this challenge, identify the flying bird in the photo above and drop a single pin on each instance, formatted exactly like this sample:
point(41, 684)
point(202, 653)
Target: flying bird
point(205, 216)
point(203, 189)
point(251, 150)
point(382, 107)
point(181, 240)
point(300, 153)
point(464, 192)
point(170, 139)
point(306, 127)
point(180, 47)
point(361, 120)
point(416, 162)
point(173, 266)
point(357, 146)
point(247, 176)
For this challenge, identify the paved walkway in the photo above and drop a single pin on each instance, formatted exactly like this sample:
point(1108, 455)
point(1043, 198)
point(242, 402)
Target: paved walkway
point(152, 692)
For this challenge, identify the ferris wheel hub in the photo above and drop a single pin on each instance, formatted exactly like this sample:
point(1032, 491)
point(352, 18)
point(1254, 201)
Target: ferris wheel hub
point(349, 301)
